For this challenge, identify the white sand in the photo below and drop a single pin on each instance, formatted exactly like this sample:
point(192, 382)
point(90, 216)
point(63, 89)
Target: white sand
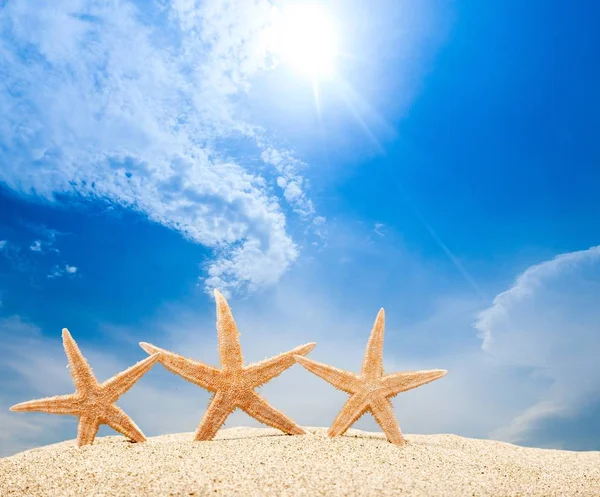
point(259, 461)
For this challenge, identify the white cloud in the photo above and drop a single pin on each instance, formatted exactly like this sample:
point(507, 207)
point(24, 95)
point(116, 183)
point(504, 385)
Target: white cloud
point(549, 322)
point(57, 271)
point(109, 107)
point(21, 433)
point(540, 361)
point(14, 255)
point(45, 245)
point(379, 229)
point(521, 424)
point(164, 403)
point(290, 317)
point(40, 363)
point(36, 246)
point(290, 181)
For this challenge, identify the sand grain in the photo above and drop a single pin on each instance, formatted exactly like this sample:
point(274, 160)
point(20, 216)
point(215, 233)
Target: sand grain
point(262, 461)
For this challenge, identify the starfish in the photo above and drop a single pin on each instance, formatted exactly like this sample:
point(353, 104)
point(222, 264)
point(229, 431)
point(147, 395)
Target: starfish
point(93, 402)
point(371, 390)
point(233, 385)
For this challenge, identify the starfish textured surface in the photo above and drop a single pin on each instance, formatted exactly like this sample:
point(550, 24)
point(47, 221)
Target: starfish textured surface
point(233, 385)
point(371, 390)
point(93, 402)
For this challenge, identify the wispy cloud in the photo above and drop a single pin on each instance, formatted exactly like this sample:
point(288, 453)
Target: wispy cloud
point(164, 403)
point(36, 246)
point(48, 241)
point(40, 365)
point(549, 323)
point(289, 180)
point(21, 433)
point(539, 362)
point(58, 271)
point(379, 229)
point(100, 102)
point(14, 255)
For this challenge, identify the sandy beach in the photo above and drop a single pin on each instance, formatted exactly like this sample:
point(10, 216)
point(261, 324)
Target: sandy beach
point(262, 461)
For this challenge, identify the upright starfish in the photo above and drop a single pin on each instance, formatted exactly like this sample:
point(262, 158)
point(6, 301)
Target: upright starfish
point(93, 402)
point(371, 390)
point(234, 384)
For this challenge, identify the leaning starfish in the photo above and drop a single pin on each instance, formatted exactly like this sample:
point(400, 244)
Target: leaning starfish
point(93, 402)
point(371, 390)
point(234, 384)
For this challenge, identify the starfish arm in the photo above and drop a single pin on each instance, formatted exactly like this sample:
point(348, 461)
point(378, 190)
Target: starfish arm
point(383, 411)
point(82, 374)
point(221, 406)
point(196, 372)
point(60, 404)
point(122, 382)
point(230, 349)
point(340, 379)
point(395, 383)
point(116, 418)
point(86, 430)
point(262, 411)
point(260, 373)
point(353, 409)
point(373, 362)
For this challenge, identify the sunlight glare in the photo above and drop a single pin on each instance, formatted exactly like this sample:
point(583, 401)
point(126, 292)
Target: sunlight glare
point(305, 39)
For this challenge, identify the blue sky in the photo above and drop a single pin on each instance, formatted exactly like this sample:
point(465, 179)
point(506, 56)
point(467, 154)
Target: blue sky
point(448, 171)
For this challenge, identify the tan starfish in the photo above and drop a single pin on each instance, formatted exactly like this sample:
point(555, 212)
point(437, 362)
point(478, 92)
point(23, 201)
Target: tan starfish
point(371, 390)
point(93, 402)
point(233, 385)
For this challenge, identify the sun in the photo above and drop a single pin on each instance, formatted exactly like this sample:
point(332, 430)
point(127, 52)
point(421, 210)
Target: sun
point(305, 39)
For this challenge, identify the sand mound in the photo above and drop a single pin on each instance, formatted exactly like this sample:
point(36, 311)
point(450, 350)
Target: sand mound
point(259, 461)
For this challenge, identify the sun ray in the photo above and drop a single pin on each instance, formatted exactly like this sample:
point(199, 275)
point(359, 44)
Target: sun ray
point(315, 87)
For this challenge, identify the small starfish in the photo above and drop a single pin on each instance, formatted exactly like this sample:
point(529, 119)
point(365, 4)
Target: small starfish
point(234, 384)
point(93, 402)
point(371, 390)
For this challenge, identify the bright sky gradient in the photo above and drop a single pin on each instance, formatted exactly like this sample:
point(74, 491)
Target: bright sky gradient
point(447, 168)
